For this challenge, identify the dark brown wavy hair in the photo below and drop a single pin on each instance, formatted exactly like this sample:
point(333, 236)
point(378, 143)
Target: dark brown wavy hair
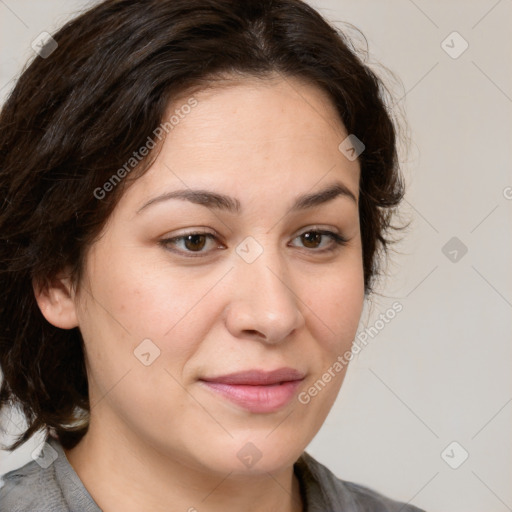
point(77, 114)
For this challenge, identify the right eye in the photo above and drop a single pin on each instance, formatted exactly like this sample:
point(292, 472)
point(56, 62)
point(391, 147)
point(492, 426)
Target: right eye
point(189, 243)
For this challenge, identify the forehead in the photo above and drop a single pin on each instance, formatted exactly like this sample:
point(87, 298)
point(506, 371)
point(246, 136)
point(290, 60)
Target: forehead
point(254, 107)
point(252, 133)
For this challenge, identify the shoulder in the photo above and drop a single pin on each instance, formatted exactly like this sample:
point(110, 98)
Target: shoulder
point(34, 486)
point(323, 490)
point(31, 488)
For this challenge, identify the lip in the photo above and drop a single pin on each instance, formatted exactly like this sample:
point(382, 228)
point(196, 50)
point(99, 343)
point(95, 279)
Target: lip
point(257, 391)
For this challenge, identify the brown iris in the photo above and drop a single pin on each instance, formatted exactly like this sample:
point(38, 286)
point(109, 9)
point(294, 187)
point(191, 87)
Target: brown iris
point(311, 237)
point(195, 242)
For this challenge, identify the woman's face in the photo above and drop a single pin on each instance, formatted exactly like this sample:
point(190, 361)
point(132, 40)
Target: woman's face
point(166, 318)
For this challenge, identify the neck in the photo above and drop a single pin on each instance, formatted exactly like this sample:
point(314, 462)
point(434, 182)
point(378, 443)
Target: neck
point(109, 465)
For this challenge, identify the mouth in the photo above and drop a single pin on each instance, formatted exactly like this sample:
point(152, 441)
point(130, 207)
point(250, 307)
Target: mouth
point(257, 391)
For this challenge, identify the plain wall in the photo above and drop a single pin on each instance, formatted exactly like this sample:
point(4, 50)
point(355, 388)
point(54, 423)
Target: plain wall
point(439, 371)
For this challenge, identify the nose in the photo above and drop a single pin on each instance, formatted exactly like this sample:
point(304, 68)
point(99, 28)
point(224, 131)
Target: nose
point(264, 304)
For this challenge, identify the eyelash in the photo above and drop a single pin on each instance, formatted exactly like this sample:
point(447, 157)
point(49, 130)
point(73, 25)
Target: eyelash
point(338, 241)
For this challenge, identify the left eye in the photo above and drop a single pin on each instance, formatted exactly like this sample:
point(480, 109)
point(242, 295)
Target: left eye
point(190, 243)
point(312, 237)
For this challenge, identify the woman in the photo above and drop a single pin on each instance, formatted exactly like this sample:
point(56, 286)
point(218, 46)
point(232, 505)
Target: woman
point(196, 194)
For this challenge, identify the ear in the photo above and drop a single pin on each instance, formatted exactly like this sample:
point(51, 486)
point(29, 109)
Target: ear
point(56, 300)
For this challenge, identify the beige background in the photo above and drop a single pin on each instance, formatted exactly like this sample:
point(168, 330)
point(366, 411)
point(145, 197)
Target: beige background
point(439, 372)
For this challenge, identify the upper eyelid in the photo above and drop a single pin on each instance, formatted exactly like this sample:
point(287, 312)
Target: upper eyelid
point(214, 236)
point(205, 231)
point(323, 230)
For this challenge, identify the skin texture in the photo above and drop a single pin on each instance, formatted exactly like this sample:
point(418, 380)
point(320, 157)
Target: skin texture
point(159, 439)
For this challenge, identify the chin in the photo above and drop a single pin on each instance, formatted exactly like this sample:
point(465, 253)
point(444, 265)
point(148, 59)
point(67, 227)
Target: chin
point(257, 454)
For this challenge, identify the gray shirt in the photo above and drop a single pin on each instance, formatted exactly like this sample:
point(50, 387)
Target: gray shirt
point(50, 484)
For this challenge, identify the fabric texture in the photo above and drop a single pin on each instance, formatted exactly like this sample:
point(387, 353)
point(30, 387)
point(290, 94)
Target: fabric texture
point(50, 484)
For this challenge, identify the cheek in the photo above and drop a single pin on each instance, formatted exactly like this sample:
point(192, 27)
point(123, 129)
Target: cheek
point(334, 311)
point(135, 300)
point(334, 306)
point(139, 333)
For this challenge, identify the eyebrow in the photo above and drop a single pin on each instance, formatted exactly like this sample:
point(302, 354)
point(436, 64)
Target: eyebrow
point(214, 200)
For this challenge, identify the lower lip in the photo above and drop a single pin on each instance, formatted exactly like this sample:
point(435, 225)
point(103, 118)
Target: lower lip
point(257, 399)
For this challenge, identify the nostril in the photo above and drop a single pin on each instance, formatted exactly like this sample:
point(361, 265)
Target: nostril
point(253, 332)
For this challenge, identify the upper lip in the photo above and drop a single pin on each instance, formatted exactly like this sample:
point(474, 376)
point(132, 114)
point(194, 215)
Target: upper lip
point(258, 377)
